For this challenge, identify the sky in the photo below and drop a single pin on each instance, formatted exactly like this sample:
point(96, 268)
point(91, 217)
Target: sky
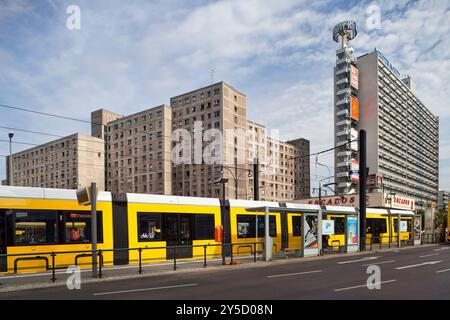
point(131, 55)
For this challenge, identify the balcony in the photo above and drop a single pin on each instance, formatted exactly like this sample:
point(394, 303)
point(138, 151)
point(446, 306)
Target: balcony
point(343, 133)
point(343, 164)
point(342, 174)
point(344, 154)
point(343, 112)
point(341, 81)
point(342, 70)
point(343, 122)
point(343, 91)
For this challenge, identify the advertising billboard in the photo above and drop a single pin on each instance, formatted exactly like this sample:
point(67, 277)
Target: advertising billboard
point(354, 139)
point(311, 222)
point(352, 231)
point(354, 77)
point(354, 106)
point(398, 202)
point(354, 171)
point(403, 226)
point(417, 230)
point(327, 227)
point(374, 181)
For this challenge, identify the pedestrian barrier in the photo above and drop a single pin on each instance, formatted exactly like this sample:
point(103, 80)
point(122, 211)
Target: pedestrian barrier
point(53, 266)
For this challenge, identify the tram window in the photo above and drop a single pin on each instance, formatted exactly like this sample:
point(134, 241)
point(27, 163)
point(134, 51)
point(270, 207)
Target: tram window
point(149, 227)
point(296, 226)
point(376, 225)
point(339, 225)
point(35, 227)
point(77, 227)
point(272, 226)
point(204, 226)
point(245, 226)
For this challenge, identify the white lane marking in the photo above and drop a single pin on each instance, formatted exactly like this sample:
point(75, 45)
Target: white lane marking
point(445, 270)
point(429, 255)
point(293, 274)
point(363, 285)
point(359, 260)
point(377, 263)
point(440, 249)
point(146, 289)
point(418, 265)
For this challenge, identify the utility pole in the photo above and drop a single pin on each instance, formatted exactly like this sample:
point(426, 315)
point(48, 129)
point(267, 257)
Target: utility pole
point(10, 135)
point(223, 181)
point(256, 179)
point(362, 188)
point(94, 228)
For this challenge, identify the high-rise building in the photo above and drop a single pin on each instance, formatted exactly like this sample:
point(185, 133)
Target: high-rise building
point(443, 198)
point(402, 133)
point(138, 152)
point(65, 163)
point(99, 119)
point(283, 166)
point(220, 111)
point(302, 183)
point(346, 111)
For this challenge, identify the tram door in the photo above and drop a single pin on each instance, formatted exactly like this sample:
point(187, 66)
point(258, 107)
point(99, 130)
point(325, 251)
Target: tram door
point(178, 232)
point(3, 260)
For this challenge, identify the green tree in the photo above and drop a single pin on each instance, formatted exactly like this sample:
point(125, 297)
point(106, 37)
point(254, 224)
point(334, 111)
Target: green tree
point(440, 217)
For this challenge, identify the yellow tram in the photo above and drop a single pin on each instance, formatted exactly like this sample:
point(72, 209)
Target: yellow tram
point(36, 222)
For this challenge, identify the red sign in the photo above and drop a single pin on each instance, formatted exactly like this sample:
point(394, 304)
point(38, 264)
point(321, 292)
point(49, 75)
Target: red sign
point(354, 106)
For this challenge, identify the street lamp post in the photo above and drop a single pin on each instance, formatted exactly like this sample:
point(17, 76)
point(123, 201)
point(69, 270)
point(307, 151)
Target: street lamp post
point(10, 135)
point(391, 197)
point(223, 181)
point(236, 177)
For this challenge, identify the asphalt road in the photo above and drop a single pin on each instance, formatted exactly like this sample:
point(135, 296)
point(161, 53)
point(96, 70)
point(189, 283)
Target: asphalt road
point(418, 273)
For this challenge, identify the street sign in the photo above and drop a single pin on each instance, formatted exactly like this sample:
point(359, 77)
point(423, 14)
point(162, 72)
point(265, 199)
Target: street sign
point(84, 196)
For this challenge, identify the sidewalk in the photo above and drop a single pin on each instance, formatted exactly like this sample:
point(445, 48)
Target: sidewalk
point(12, 282)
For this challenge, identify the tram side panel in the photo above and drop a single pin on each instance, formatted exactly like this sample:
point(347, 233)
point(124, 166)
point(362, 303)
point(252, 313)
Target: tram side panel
point(45, 225)
point(176, 229)
point(245, 234)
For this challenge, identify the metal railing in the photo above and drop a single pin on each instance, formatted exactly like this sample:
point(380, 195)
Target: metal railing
point(53, 266)
point(383, 242)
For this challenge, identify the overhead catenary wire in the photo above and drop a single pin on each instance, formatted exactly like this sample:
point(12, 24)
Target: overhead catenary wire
point(94, 123)
point(108, 143)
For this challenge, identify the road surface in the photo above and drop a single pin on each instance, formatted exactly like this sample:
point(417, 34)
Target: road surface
point(417, 273)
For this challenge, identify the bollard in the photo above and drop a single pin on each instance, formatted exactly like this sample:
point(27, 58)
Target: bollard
point(204, 256)
point(53, 267)
point(231, 245)
point(100, 263)
point(140, 260)
point(175, 258)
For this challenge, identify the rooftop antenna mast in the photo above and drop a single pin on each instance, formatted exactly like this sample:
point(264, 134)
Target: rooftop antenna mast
point(212, 75)
point(346, 30)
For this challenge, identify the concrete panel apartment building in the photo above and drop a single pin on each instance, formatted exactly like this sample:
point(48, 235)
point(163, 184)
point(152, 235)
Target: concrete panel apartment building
point(402, 134)
point(283, 167)
point(137, 150)
point(140, 158)
point(65, 163)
